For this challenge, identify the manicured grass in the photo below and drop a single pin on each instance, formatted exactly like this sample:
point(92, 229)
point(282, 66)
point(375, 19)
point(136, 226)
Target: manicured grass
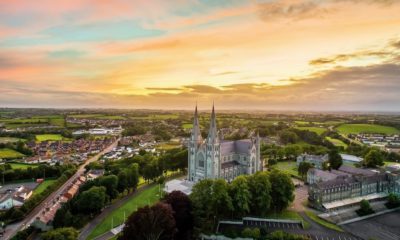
point(170, 145)
point(60, 122)
point(187, 125)
point(287, 167)
point(336, 142)
point(285, 214)
point(317, 130)
point(322, 222)
point(22, 165)
point(49, 137)
point(43, 186)
point(148, 196)
point(366, 128)
point(10, 139)
point(7, 153)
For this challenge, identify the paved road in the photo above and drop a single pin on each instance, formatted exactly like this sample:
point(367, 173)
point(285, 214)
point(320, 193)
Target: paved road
point(12, 229)
point(97, 220)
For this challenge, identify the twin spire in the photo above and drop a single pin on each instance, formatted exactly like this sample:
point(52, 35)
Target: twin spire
point(212, 133)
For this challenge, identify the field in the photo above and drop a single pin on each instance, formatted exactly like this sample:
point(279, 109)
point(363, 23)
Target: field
point(366, 128)
point(157, 117)
point(10, 139)
point(98, 116)
point(22, 165)
point(43, 186)
point(7, 153)
point(187, 125)
point(148, 196)
point(49, 137)
point(169, 145)
point(287, 167)
point(336, 142)
point(317, 130)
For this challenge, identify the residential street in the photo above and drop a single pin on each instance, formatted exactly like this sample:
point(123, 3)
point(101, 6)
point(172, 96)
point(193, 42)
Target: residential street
point(12, 229)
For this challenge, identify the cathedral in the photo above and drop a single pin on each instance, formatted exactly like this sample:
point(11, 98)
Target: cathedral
point(214, 157)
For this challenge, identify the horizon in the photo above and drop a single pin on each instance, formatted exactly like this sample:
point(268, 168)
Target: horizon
point(284, 55)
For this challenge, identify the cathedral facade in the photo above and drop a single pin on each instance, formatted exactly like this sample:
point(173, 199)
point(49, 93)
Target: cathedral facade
point(214, 157)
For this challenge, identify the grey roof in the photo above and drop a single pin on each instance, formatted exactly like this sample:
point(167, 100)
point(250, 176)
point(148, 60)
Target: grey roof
point(323, 174)
point(356, 171)
point(238, 146)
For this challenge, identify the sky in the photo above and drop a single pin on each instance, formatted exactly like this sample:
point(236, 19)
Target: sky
point(298, 55)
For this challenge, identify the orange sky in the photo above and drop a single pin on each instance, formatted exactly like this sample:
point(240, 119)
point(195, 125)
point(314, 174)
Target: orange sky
point(268, 55)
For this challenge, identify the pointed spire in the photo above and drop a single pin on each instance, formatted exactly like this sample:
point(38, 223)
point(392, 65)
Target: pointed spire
point(196, 134)
point(212, 134)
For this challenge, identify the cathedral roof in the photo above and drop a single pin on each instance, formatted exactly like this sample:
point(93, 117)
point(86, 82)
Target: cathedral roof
point(238, 146)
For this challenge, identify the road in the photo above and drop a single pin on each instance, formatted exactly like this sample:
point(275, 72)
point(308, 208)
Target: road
point(12, 229)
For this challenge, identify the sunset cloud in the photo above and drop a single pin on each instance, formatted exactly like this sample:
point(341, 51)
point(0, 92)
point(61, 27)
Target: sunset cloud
point(279, 55)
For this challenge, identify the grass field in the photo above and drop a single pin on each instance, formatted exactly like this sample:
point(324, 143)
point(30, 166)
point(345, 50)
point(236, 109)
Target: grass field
point(366, 128)
point(157, 117)
point(317, 130)
point(322, 222)
point(10, 139)
point(49, 137)
point(7, 153)
point(22, 165)
point(39, 189)
point(285, 214)
point(287, 167)
point(148, 196)
point(336, 142)
point(169, 145)
point(187, 125)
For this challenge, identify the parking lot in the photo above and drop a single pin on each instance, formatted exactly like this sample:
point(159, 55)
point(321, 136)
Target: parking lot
point(386, 227)
point(273, 225)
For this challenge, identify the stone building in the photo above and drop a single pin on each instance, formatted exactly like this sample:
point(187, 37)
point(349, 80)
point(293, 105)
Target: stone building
point(215, 157)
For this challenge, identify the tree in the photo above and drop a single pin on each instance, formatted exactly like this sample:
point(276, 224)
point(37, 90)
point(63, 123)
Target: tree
point(393, 201)
point(91, 201)
point(281, 235)
point(133, 176)
point(282, 189)
point(110, 182)
point(61, 234)
point(365, 208)
point(260, 190)
point(303, 168)
point(288, 136)
point(240, 194)
point(335, 160)
point(373, 158)
point(221, 202)
point(182, 207)
point(123, 180)
point(251, 233)
point(151, 223)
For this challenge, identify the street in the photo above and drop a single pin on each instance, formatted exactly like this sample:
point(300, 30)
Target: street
point(12, 229)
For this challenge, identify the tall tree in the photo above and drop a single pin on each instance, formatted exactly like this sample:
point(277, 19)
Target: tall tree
point(373, 158)
point(123, 180)
point(61, 234)
point(91, 201)
point(260, 189)
point(150, 223)
point(335, 160)
point(182, 207)
point(240, 193)
point(221, 202)
point(303, 168)
point(110, 182)
point(282, 189)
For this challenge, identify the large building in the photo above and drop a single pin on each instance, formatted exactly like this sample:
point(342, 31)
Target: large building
point(214, 157)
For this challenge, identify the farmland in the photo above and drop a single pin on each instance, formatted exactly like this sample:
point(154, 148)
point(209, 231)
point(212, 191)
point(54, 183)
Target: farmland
point(49, 137)
point(16, 165)
point(336, 142)
point(10, 139)
point(317, 130)
point(366, 128)
point(7, 153)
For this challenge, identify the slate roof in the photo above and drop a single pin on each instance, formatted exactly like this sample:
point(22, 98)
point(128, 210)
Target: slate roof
point(238, 146)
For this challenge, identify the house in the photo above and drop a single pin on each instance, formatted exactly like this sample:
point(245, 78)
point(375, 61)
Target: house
point(347, 158)
point(14, 197)
point(94, 173)
point(316, 160)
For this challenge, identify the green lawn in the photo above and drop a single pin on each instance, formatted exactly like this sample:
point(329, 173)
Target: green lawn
point(39, 189)
point(287, 167)
point(336, 142)
point(10, 139)
point(22, 165)
point(49, 137)
point(187, 125)
point(366, 128)
point(285, 214)
point(7, 153)
point(317, 130)
point(157, 117)
point(148, 196)
point(322, 222)
point(169, 145)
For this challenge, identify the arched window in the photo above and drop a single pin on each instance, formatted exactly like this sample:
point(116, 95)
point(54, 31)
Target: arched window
point(200, 160)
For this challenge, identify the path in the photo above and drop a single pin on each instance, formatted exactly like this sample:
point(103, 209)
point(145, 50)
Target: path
point(97, 220)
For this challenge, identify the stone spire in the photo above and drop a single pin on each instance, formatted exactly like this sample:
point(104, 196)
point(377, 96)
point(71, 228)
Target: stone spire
point(196, 134)
point(212, 134)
